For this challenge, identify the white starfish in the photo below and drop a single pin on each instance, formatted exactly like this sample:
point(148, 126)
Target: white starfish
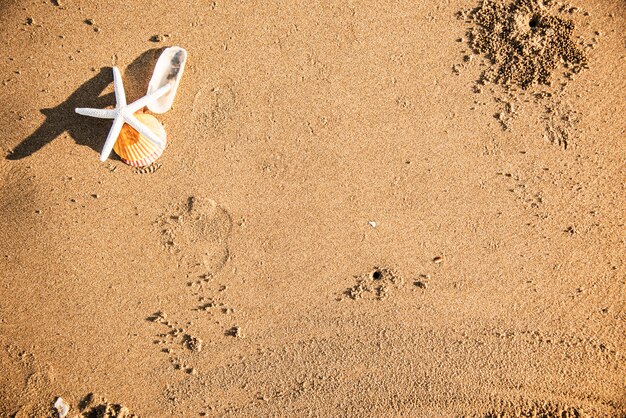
point(124, 113)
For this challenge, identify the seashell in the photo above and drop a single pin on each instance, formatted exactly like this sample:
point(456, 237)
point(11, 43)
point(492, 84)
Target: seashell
point(62, 407)
point(135, 149)
point(149, 169)
point(168, 69)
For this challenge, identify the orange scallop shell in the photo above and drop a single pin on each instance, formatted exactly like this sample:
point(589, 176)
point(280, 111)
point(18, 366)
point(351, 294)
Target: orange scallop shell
point(135, 149)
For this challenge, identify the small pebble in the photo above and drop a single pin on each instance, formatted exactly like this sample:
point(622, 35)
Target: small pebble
point(89, 22)
point(438, 260)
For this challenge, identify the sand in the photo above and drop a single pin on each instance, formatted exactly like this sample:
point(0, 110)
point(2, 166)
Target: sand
point(364, 209)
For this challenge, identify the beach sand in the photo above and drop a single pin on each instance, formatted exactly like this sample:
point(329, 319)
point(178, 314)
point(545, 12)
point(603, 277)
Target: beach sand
point(358, 213)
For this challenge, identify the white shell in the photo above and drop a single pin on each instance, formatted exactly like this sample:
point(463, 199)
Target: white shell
point(168, 69)
point(61, 407)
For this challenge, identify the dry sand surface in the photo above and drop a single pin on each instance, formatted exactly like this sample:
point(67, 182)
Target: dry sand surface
point(366, 209)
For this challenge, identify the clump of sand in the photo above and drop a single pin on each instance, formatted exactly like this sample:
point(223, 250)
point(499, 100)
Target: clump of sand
point(192, 343)
point(375, 284)
point(93, 407)
point(524, 41)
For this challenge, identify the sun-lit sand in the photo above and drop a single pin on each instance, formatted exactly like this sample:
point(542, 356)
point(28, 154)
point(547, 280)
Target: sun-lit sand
point(365, 209)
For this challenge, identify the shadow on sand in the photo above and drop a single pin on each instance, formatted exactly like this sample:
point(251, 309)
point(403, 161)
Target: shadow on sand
point(86, 131)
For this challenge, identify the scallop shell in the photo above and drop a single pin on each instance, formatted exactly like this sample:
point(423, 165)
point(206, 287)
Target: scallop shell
point(135, 149)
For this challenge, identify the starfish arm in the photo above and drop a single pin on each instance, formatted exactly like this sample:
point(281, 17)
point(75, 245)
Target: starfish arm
point(96, 113)
point(113, 134)
point(120, 95)
point(145, 131)
point(143, 102)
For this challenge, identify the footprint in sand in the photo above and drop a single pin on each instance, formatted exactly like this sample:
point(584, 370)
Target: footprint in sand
point(197, 232)
point(25, 384)
point(214, 106)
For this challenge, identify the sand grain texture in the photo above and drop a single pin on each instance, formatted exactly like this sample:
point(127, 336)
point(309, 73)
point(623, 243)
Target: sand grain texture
point(310, 146)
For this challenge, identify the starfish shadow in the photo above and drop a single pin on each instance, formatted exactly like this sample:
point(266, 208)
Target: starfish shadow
point(62, 118)
point(87, 131)
point(138, 73)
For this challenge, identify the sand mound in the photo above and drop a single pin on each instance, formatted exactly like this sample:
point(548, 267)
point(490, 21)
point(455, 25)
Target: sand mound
point(93, 407)
point(524, 41)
